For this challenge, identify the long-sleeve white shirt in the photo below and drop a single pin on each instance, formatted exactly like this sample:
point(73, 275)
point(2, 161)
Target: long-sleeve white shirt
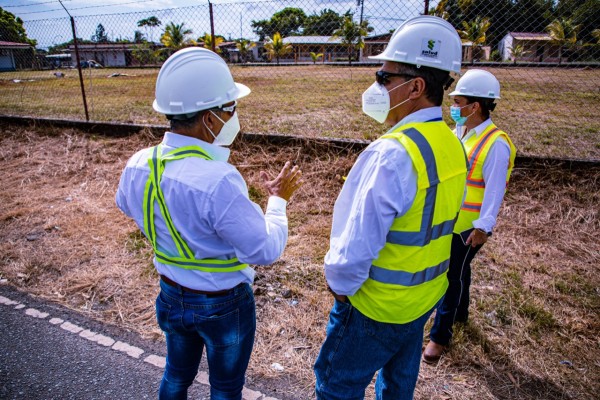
point(495, 167)
point(208, 202)
point(381, 186)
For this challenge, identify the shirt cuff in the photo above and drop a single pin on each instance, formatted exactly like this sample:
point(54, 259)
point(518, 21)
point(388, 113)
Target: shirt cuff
point(276, 203)
point(483, 224)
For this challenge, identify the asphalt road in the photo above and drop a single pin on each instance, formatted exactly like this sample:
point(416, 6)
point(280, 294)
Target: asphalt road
point(50, 352)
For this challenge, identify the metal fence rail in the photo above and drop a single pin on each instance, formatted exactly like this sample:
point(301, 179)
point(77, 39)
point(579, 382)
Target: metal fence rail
point(307, 63)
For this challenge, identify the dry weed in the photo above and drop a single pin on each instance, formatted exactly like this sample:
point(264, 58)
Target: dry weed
point(534, 320)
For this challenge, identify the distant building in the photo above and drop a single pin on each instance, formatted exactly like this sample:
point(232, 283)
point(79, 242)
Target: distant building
point(331, 47)
point(62, 60)
point(10, 53)
point(374, 45)
point(538, 47)
point(111, 54)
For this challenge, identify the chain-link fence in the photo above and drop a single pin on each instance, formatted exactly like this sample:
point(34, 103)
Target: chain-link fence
point(307, 63)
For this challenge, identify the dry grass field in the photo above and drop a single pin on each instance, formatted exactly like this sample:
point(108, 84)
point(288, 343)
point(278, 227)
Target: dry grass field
point(547, 111)
point(536, 304)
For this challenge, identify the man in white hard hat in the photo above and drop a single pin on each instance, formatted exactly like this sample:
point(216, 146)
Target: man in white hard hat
point(193, 207)
point(491, 157)
point(393, 220)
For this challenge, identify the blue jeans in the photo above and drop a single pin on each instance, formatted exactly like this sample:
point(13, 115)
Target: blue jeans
point(225, 325)
point(455, 304)
point(356, 347)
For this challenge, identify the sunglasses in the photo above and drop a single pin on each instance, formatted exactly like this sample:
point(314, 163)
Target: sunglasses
point(383, 77)
point(230, 108)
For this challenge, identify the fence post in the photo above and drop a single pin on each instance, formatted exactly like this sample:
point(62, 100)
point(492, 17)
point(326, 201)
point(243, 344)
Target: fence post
point(85, 107)
point(212, 26)
point(426, 7)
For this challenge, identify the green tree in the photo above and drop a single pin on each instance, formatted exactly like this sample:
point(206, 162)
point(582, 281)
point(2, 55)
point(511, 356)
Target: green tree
point(175, 37)
point(276, 48)
point(351, 34)
point(244, 46)
point(100, 36)
point(285, 22)
point(138, 37)
point(145, 54)
point(596, 35)
point(587, 16)
point(475, 32)
point(149, 24)
point(315, 57)
point(517, 52)
point(208, 42)
point(563, 33)
point(323, 24)
point(12, 30)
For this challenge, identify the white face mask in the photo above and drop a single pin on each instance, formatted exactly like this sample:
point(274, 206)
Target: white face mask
point(376, 101)
point(228, 132)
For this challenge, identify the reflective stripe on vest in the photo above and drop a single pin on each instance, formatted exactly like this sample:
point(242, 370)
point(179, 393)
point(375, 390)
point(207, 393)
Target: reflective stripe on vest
point(408, 276)
point(153, 193)
point(427, 231)
point(478, 149)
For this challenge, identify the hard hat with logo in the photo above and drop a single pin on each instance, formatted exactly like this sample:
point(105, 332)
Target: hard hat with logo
point(195, 79)
point(477, 83)
point(427, 41)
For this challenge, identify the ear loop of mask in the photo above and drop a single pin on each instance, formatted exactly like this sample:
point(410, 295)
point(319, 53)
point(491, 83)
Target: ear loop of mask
point(399, 104)
point(206, 126)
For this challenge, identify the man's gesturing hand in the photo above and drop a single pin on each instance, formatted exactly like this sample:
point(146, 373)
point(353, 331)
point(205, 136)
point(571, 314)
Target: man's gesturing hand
point(285, 184)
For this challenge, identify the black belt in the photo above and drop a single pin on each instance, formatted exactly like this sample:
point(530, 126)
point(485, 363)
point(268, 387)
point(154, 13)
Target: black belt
point(195, 291)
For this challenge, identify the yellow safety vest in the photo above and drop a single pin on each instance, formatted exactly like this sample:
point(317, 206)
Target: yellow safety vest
point(477, 148)
point(153, 194)
point(409, 275)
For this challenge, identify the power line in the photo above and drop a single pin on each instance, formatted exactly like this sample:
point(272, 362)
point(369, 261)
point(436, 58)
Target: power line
point(83, 8)
point(32, 4)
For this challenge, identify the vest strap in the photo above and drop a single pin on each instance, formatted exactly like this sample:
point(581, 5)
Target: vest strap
point(405, 278)
point(153, 193)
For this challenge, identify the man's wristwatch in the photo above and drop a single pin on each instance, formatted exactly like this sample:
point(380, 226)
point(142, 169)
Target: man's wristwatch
point(488, 234)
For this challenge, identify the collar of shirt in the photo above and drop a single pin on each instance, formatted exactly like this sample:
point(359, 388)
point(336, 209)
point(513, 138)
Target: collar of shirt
point(176, 140)
point(478, 130)
point(422, 115)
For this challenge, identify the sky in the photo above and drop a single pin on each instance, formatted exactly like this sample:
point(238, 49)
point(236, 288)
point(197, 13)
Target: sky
point(47, 21)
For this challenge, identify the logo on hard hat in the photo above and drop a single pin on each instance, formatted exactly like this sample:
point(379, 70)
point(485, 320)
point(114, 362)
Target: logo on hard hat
point(430, 48)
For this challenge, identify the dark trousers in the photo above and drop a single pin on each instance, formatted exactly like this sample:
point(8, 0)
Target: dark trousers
point(455, 304)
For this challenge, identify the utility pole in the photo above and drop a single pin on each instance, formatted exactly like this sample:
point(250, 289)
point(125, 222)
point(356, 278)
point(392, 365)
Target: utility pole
point(361, 3)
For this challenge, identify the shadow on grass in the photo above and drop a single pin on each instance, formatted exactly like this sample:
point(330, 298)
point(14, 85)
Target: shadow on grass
point(504, 379)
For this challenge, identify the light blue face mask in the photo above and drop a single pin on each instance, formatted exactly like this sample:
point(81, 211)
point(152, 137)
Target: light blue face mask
point(455, 114)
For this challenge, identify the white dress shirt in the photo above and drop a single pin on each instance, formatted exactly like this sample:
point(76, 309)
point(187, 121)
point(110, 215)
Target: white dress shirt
point(208, 202)
point(495, 167)
point(380, 187)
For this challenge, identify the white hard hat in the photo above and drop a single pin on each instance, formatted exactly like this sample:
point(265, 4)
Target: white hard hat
point(477, 83)
point(427, 41)
point(195, 79)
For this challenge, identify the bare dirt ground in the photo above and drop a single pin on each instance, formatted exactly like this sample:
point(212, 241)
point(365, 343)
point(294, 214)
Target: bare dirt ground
point(535, 296)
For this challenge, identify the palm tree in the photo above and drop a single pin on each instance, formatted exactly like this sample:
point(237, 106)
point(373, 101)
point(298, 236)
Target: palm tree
point(276, 48)
point(175, 37)
point(149, 23)
point(351, 34)
point(475, 32)
point(208, 43)
point(315, 57)
point(517, 52)
point(244, 46)
point(563, 33)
